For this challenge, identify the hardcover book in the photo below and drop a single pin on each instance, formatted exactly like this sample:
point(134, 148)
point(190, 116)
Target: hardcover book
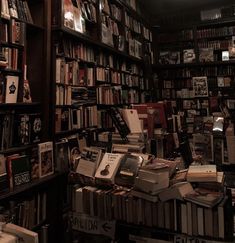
point(46, 163)
point(200, 173)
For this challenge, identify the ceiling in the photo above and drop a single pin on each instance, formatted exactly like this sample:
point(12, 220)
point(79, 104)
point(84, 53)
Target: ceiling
point(157, 8)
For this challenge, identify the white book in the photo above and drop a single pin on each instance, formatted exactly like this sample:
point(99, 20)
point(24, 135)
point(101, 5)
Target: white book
point(108, 167)
point(132, 120)
point(5, 9)
point(12, 83)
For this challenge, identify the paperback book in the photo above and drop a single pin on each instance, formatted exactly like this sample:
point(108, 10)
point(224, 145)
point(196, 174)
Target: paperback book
point(46, 163)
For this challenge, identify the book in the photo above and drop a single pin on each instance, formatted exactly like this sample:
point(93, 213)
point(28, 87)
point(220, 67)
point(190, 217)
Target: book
point(46, 163)
point(145, 196)
point(3, 174)
point(23, 233)
point(150, 187)
point(132, 120)
point(176, 191)
point(11, 93)
point(89, 161)
point(20, 170)
point(119, 122)
point(26, 92)
point(74, 152)
point(8, 238)
point(204, 197)
point(62, 155)
point(200, 173)
point(200, 86)
point(128, 170)
point(68, 14)
point(108, 167)
point(189, 56)
point(154, 174)
point(35, 124)
point(206, 55)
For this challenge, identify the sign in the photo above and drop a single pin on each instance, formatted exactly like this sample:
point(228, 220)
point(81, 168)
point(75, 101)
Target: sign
point(93, 225)
point(188, 239)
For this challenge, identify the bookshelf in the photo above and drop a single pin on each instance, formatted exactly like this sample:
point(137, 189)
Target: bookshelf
point(96, 52)
point(25, 60)
point(205, 43)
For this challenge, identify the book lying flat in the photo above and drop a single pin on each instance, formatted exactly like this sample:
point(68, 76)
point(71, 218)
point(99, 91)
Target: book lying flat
point(204, 197)
point(202, 173)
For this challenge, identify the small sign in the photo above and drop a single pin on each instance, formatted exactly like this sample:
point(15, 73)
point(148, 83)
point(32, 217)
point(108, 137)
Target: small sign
point(93, 225)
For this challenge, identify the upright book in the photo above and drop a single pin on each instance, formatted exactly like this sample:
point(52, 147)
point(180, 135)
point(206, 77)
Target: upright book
point(46, 163)
point(11, 94)
point(108, 167)
point(128, 170)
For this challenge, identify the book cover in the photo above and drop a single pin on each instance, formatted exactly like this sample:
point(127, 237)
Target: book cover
point(11, 93)
point(74, 152)
point(62, 155)
point(89, 161)
point(132, 120)
point(3, 174)
point(35, 123)
point(206, 55)
point(108, 167)
point(68, 14)
point(200, 86)
point(128, 170)
point(119, 122)
point(189, 56)
point(26, 92)
point(204, 197)
point(20, 169)
point(46, 163)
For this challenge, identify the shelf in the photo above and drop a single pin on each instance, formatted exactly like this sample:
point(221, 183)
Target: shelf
point(17, 149)
point(74, 106)
point(29, 186)
point(196, 64)
point(34, 27)
point(88, 40)
point(10, 71)
point(11, 45)
point(70, 132)
point(19, 105)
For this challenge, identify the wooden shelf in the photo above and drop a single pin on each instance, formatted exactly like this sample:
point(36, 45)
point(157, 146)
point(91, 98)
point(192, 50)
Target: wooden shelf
point(29, 186)
point(88, 40)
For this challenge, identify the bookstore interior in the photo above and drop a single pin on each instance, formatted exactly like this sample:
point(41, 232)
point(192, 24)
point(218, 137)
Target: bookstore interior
point(117, 121)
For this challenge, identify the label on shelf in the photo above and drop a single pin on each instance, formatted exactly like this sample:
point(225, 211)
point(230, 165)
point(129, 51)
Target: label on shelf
point(93, 225)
